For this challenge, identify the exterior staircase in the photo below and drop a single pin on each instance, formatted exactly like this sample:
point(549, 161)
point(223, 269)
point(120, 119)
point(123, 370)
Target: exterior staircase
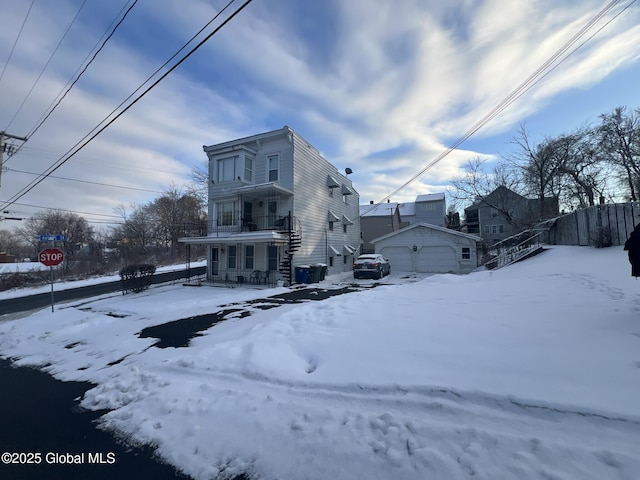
point(507, 255)
point(295, 242)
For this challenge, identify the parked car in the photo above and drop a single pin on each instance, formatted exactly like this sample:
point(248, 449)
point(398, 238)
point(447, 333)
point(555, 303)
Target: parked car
point(371, 265)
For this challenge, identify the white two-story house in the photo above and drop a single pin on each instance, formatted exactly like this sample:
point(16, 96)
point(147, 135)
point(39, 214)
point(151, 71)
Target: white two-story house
point(274, 204)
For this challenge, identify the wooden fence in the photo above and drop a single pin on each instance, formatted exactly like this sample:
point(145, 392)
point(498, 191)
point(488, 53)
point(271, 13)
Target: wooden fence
point(597, 226)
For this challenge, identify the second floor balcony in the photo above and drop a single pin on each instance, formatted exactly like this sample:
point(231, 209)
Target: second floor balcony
point(238, 222)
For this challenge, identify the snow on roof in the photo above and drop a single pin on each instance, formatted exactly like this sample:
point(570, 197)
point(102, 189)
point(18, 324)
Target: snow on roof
point(377, 209)
point(430, 197)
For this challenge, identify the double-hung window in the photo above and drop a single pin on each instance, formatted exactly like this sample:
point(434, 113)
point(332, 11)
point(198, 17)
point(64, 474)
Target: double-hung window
point(248, 169)
point(228, 168)
point(226, 213)
point(273, 164)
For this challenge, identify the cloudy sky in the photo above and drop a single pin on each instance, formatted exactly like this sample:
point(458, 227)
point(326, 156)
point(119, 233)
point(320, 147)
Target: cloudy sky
point(381, 87)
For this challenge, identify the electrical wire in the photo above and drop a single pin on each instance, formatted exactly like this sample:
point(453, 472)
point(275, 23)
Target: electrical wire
point(84, 69)
point(533, 79)
point(87, 181)
point(24, 22)
point(46, 65)
point(80, 145)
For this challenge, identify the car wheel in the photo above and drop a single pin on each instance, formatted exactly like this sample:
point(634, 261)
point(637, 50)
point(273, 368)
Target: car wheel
point(379, 274)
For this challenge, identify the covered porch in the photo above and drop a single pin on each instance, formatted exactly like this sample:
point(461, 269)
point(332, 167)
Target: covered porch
point(243, 259)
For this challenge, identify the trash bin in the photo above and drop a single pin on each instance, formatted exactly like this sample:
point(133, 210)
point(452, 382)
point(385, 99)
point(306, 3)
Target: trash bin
point(302, 273)
point(323, 270)
point(314, 273)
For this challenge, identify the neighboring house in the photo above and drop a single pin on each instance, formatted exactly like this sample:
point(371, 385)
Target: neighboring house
point(382, 218)
point(429, 208)
point(428, 248)
point(377, 220)
point(275, 203)
point(504, 213)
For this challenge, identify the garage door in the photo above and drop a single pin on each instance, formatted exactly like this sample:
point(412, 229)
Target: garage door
point(437, 260)
point(399, 258)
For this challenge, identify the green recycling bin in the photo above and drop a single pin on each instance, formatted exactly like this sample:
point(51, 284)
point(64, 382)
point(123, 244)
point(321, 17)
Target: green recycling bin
point(315, 271)
point(323, 271)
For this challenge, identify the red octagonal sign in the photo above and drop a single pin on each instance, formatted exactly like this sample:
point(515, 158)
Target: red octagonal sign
point(51, 257)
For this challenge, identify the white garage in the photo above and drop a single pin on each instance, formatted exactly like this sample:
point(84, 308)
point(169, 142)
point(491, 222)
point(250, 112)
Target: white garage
point(427, 248)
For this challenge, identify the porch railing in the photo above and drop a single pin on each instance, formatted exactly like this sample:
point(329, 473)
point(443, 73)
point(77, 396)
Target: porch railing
point(239, 278)
point(238, 224)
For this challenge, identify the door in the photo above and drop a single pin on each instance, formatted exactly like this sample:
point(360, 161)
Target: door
point(215, 259)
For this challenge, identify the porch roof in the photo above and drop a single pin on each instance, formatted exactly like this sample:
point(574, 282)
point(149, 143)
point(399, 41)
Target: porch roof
point(262, 188)
point(262, 236)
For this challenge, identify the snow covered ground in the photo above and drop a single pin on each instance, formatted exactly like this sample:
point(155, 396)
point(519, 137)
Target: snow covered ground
point(528, 372)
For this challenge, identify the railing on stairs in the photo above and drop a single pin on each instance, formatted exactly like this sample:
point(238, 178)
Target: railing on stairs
point(506, 255)
point(295, 242)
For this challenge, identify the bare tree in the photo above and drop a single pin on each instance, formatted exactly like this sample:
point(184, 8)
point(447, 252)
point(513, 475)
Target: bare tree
point(619, 142)
point(541, 166)
point(584, 169)
point(171, 212)
point(495, 188)
point(76, 229)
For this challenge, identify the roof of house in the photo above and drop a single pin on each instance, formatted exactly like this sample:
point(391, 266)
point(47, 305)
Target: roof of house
point(430, 226)
point(430, 197)
point(378, 209)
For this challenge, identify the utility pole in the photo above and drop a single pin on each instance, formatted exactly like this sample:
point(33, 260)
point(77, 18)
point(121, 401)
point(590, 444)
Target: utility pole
point(5, 147)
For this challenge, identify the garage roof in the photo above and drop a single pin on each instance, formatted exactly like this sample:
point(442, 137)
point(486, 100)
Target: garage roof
point(428, 225)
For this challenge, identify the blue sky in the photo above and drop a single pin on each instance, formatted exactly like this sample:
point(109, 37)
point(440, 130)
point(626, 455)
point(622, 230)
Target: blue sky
point(380, 87)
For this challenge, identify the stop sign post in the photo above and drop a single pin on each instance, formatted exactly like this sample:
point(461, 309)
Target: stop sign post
point(51, 257)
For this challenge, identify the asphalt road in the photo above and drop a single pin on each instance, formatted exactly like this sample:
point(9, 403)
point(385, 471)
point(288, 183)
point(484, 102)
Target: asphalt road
point(41, 300)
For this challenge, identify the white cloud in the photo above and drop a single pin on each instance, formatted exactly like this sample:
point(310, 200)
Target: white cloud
point(407, 78)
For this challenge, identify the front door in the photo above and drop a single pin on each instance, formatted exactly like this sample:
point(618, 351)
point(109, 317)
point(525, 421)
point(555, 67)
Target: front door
point(215, 259)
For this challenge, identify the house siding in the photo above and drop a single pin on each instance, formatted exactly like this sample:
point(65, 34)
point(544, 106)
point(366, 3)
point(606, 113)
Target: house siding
point(312, 202)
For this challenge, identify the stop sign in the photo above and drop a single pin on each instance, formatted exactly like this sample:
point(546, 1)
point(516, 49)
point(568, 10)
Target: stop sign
point(51, 257)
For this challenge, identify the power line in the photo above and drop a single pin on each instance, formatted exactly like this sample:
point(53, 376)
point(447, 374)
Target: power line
point(17, 39)
point(534, 78)
point(87, 181)
point(65, 210)
point(84, 69)
point(80, 145)
point(46, 64)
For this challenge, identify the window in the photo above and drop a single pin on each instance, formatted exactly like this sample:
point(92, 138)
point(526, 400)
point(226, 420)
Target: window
point(466, 253)
point(272, 257)
point(494, 229)
point(501, 228)
point(345, 199)
point(248, 169)
point(227, 168)
point(344, 228)
point(226, 213)
point(248, 256)
point(273, 161)
point(344, 259)
point(487, 229)
point(232, 257)
point(331, 226)
point(331, 261)
point(426, 207)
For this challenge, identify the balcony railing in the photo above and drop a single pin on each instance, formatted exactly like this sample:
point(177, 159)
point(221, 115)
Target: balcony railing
point(251, 224)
